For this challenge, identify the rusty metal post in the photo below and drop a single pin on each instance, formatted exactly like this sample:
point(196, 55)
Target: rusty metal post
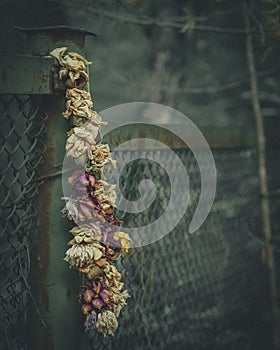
point(55, 322)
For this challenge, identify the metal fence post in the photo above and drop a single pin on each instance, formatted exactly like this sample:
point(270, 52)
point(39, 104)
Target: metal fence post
point(54, 320)
point(55, 286)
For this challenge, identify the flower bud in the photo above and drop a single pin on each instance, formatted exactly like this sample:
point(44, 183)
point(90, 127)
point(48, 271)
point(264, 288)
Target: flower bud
point(86, 308)
point(88, 295)
point(98, 303)
point(105, 294)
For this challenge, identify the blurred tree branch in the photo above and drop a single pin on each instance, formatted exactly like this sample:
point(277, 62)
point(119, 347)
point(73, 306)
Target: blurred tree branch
point(197, 90)
point(178, 24)
point(269, 250)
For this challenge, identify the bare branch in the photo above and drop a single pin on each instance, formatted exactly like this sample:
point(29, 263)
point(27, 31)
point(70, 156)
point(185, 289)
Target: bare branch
point(29, 289)
point(263, 175)
point(151, 21)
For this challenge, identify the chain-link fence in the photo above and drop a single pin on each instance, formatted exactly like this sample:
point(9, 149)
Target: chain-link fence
point(22, 149)
point(208, 290)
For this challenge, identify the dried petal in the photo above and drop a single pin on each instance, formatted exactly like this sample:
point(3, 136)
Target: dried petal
point(90, 321)
point(86, 308)
point(97, 303)
point(124, 240)
point(107, 322)
point(80, 255)
point(105, 295)
point(88, 295)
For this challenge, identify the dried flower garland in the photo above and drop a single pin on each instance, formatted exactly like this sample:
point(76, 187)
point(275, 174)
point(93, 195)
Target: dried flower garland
point(95, 244)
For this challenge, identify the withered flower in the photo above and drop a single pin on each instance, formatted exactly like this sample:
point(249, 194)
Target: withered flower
point(81, 140)
point(90, 321)
point(106, 322)
point(124, 240)
point(86, 308)
point(96, 294)
point(98, 303)
point(81, 180)
point(119, 300)
point(87, 233)
point(96, 119)
point(80, 254)
point(79, 57)
point(106, 194)
point(100, 156)
point(112, 278)
point(70, 210)
point(88, 295)
point(93, 204)
point(72, 66)
point(92, 271)
point(78, 103)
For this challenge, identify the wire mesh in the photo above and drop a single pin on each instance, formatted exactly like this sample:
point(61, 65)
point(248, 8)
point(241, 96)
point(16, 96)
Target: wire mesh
point(208, 290)
point(21, 153)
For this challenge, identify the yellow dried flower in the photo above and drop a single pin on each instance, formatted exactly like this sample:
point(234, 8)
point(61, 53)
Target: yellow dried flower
point(87, 233)
point(112, 278)
point(78, 103)
point(75, 55)
point(81, 254)
point(72, 66)
point(100, 156)
point(106, 194)
point(92, 271)
point(124, 239)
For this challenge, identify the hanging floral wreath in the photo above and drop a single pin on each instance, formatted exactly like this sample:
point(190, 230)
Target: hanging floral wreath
point(95, 243)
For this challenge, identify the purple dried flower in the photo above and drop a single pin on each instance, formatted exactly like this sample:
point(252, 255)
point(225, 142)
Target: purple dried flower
point(105, 295)
point(97, 303)
point(86, 308)
point(85, 211)
point(88, 294)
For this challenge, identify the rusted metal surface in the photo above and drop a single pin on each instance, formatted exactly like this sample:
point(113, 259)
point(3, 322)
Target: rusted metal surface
point(41, 253)
point(42, 40)
point(32, 74)
point(25, 75)
point(52, 281)
point(55, 286)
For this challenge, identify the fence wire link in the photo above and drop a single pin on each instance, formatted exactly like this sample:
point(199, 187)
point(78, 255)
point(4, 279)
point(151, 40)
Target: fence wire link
point(22, 149)
point(208, 290)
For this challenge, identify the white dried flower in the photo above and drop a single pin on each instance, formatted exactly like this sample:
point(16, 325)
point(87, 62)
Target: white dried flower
point(90, 321)
point(81, 140)
point(80, 254)
point(107, 323)
point(87, 233)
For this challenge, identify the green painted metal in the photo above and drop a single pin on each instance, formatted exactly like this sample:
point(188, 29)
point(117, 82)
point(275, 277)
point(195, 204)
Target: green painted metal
point(44, 39)
point(32, 74)
point(55, 287)
point(27, 75)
